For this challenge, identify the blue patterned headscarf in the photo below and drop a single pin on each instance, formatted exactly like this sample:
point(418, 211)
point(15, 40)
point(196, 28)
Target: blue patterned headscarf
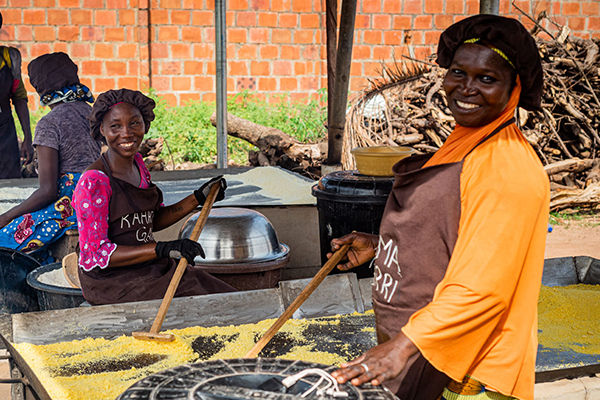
point(68, 94)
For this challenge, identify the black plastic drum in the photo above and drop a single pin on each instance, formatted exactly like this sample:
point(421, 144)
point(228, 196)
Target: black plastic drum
point(242, 379)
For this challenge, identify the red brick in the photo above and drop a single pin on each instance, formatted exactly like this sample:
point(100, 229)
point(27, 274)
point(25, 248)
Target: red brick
point(309, 21)
point(309, 83)
point(37, 49)
point(91, 34)
point(523, 5)
point(300, 68)
point(413, 6)
point(193, 68)
point(382, 52)
point(128, 83)
point(93, 4)
point(269, 52)
point(116, 4)
point(281, 5)
point(170, 98)
point(90, 68)
point(288, 84)
point(594, 23)
point(58, 17)
point(103, 84)
point(392, 37)
point(372, 68)
point(260, 68)
point(68, 3)
point(170, 4)
point(133, 68)
point(81, 17)
point(392, 6)
point(424, 22)
point(160, 17)
point(267, 84)
point(371, 6)
point(180, 17)
point(24, 33)
point(181, 50)
point(42, 3)
point(230, 18)
point(434, 6)
point(209, 97)
point(259, 35)
point(161, 83)
point(181, 83)
point(106, 18)
point(591, 8)
point(204, 51)
point(259, 5)
point(290, 52)
point(288, 20)
point(114, 34)
point(267, 19)
point(432, 37)
point(59, 47)
point(204, 83)
point(238, 68)
point(361, 22)
point(160, 50)
point(311, 52)
point(402, 22)
point(282, 68)
point(236, 35)
point(20, 3)
point(8, 33)
point(80, 50)
point(304, 36)
point(300, 6)
point(15, 17)
point(357, 84)
point(382, 22)
point(191, 34)
point(246, 18)
point(361, 52)
point(247, 52)
point(170, 34)
point(203, 18)
point(455, 7)
point(571, 8)
point(442, 21)
point(186, 98)
point(238, 4)
point(34, 17)
point(577, 23)
point(116, 68)
point(103, 50)
point(68, 33)
point(472, 7)
point(127, 50)
point(126, 17)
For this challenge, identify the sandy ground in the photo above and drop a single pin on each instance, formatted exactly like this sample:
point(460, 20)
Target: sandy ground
point(570, 236)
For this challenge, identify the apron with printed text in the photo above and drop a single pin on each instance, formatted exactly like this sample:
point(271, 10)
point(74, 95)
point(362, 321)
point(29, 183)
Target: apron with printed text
point(131, 215)
point(417, 235)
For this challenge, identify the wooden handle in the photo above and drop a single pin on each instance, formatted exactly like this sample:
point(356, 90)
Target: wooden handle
point(200, 222)
point(307, 291)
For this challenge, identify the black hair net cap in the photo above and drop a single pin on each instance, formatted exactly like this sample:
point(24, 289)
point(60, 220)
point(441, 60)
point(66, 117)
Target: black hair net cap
point(51, 72)
point(106, 100)
point(508, 35)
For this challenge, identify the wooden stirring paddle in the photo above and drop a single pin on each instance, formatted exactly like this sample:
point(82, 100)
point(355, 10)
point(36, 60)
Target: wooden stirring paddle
point(306, 292)
point(154, 333)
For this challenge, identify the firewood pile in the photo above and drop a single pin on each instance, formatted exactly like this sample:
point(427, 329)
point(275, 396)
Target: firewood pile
point(407, 107)
point(150, 149)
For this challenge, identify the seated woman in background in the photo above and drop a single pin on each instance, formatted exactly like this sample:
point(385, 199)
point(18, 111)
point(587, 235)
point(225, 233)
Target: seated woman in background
point(118, 209)
point(64, 149)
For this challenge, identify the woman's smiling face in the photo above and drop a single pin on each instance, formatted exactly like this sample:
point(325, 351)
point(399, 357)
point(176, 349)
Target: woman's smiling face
point(478, 85)
point(124, 129)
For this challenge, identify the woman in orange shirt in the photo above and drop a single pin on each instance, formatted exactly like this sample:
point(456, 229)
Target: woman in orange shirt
point(458, 262)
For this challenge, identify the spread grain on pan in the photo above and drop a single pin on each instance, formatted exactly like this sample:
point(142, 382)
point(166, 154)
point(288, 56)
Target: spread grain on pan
point(98, 369)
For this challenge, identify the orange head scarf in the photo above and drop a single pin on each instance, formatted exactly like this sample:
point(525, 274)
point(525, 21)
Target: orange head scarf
point(463, 139)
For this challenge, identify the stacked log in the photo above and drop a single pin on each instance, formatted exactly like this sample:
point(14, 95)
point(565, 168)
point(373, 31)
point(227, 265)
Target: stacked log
point(407, 107)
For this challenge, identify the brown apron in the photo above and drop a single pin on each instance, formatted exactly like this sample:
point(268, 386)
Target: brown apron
point(418, 232)
point(131, 214)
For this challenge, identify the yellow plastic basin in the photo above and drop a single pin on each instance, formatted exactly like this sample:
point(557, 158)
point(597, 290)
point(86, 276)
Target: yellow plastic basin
point(379, 160)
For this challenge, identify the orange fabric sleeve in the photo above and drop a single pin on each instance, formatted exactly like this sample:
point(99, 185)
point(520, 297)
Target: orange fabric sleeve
point(483, 317)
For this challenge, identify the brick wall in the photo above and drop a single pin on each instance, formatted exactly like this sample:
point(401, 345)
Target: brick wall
point(274, 46)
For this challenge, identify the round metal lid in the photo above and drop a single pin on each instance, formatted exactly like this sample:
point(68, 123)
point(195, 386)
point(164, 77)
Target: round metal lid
point(242, 379)
point(353, 187)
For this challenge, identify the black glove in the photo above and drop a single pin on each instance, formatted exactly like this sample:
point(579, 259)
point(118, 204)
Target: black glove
point(179, 248)
point(202, 193)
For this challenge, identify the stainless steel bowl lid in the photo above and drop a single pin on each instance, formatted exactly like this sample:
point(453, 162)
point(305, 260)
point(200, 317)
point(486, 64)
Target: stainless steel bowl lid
point(235, 235)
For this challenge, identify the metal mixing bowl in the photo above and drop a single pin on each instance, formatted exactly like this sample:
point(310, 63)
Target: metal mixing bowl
point(236, 235)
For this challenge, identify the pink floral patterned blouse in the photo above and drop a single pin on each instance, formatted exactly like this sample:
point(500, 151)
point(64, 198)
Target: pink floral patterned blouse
point(91, 200)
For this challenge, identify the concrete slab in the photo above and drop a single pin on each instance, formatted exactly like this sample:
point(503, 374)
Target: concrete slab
point(337, 294)
point(592, 387)
point(560, 390)
point(366, 290)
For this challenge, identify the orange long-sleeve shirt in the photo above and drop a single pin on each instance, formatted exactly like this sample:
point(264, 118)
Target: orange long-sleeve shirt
point(482, 320)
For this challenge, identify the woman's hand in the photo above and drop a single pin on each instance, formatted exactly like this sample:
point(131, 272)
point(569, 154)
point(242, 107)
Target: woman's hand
point(381, 363)
point(362, 249)
point(202, 192)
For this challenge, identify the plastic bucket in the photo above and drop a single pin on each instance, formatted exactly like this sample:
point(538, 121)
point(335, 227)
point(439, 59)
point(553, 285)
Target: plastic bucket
point(53, 290)
point(16, 296)
point(349, 201)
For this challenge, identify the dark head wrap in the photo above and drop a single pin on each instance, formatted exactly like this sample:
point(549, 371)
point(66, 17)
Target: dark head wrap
point(510, 37)
point(52, 72)
point(108, 99)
